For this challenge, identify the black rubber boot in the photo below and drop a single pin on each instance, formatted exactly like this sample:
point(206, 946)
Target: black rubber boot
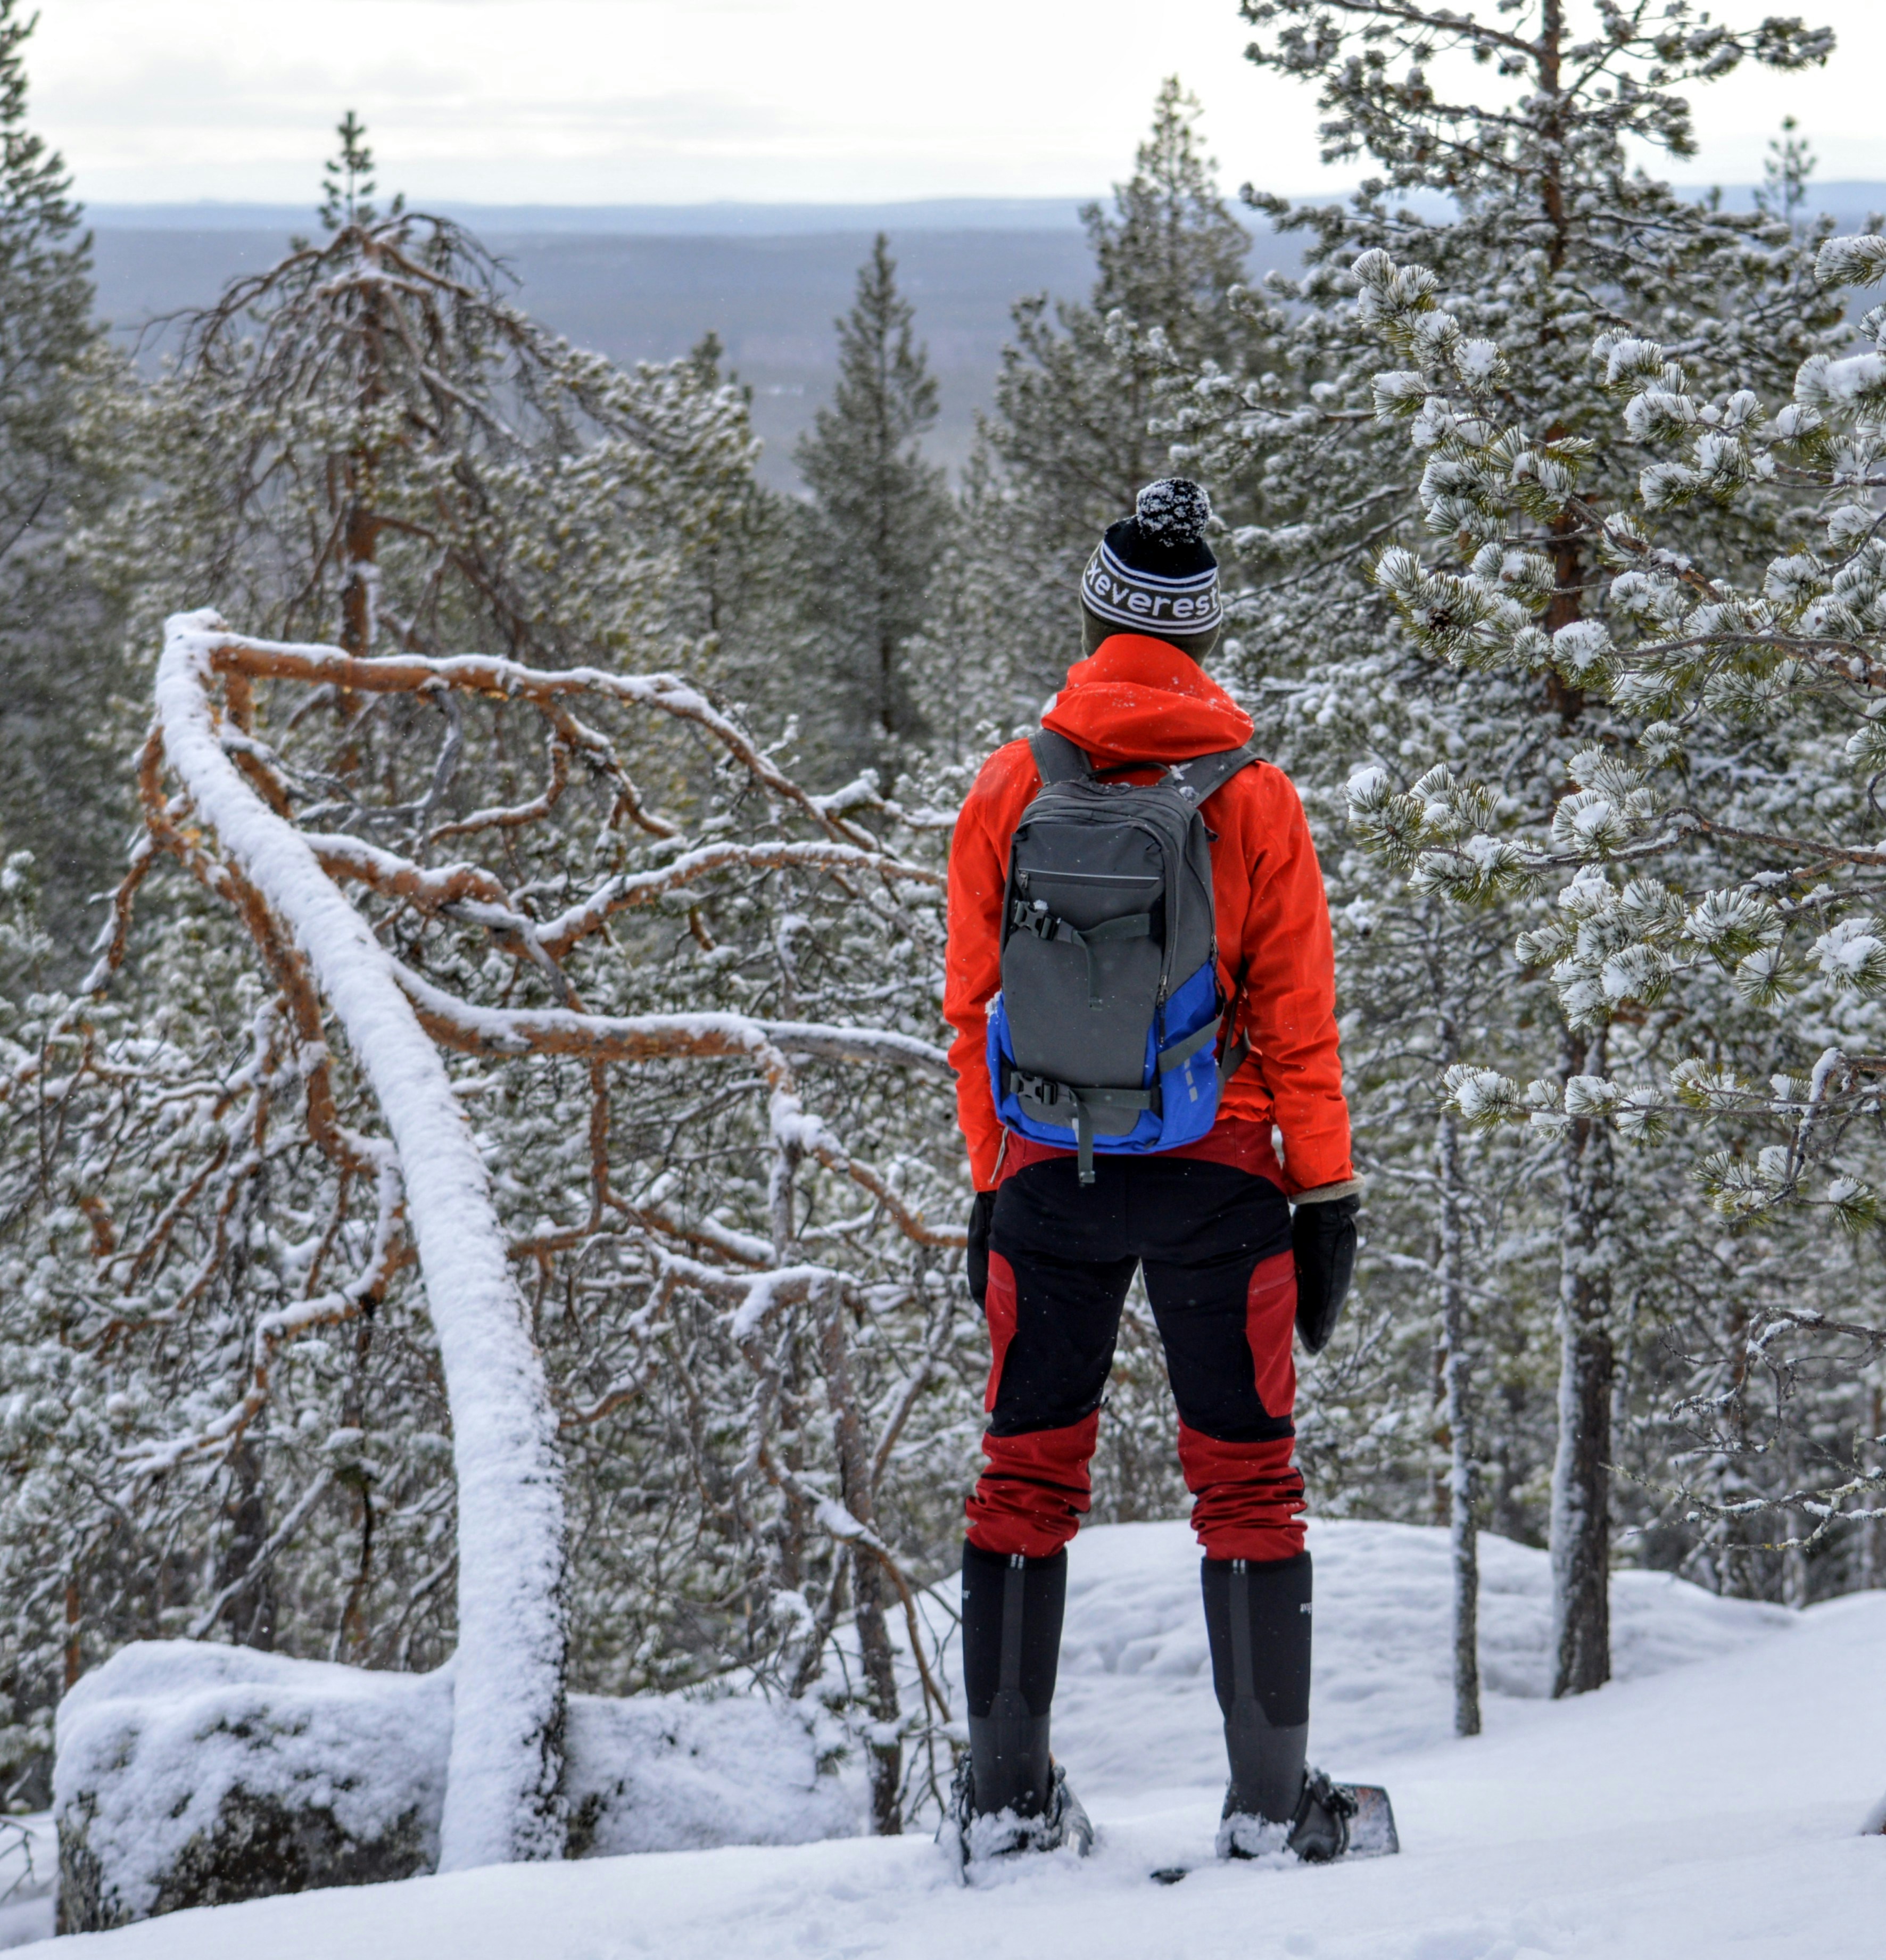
point(1257, 1617)
point(1012, 1609)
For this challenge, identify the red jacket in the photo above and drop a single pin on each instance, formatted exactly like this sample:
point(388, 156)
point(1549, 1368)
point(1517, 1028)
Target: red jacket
point(1140, 700)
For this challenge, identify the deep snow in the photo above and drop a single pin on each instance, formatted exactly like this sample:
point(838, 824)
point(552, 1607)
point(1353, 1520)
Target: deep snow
point(1707, 1804)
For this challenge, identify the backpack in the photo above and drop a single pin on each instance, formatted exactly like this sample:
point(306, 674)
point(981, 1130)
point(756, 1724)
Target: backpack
point(1104, 1034)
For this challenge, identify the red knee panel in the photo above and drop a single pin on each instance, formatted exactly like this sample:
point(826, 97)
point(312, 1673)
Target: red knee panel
point(1034, 1489)
point(1269, 1319)
point(998, 1305)
point(1248, 1497)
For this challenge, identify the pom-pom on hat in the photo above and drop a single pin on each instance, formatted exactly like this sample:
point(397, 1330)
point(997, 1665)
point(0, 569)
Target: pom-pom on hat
point(1154, 572)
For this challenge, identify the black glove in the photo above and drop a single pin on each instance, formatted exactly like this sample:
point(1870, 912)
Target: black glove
point(1323, 1237)
point(981, 1216)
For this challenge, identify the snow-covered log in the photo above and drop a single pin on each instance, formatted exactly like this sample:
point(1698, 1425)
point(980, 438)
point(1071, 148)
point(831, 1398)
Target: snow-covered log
point(508, 1696)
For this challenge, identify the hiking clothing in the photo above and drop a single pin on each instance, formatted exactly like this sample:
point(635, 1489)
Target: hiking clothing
point(976, 1253)
point(1212, 1233)
point(1154, 572)
point(1139, 699)
point(1258, 1620)
point(1095, 634)
point(1012, 1613)
point(1323, 1237)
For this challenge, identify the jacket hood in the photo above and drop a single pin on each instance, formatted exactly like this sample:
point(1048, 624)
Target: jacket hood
point(1138, 700)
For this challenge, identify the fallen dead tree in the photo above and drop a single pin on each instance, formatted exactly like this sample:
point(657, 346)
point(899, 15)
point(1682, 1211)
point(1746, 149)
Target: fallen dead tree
point(424, 938)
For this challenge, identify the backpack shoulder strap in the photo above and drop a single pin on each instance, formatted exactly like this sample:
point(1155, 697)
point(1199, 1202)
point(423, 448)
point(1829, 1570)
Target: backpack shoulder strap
point(1198, 779)
point(1059, 760)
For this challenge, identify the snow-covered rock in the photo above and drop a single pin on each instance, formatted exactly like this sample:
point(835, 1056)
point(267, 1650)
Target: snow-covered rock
point(189, 1774)
point(192, 1775)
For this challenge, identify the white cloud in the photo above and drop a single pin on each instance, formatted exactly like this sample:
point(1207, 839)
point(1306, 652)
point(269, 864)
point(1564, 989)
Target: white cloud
point(634, 100)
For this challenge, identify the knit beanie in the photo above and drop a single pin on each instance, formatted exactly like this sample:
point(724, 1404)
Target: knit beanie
point(1154, 572)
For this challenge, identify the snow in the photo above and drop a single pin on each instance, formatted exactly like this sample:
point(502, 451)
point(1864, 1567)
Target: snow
point(1848, 952)
point(1858, 382)
point(150, 1743)
point(665, 1772)
point(29, 1874)
point(1707, 1803)
point(1581, 646)
point(508, 1682)
point(153, 1741)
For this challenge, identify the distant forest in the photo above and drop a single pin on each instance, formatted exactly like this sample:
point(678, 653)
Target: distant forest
point(644, 282)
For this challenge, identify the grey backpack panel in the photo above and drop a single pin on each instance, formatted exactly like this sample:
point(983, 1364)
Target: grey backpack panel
point(1107, 908)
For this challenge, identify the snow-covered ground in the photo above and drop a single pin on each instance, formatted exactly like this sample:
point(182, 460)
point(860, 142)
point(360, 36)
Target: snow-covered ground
point(1705, 1805)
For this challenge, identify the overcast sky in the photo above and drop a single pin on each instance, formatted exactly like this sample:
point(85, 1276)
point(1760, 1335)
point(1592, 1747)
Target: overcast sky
point(673, 101)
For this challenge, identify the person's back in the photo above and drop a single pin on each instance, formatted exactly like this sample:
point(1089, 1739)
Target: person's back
point(1059, 1227)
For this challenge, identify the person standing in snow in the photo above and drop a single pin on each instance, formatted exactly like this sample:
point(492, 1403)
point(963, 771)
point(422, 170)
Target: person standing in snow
point(1079, 1181)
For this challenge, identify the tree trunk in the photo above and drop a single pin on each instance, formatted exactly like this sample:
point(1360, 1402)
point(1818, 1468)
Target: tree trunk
point(251, 1613)
point(1867, 1576)
point(1581, 1470)
point(884, 1751)
point(508, 1685)
point(1463, 1470)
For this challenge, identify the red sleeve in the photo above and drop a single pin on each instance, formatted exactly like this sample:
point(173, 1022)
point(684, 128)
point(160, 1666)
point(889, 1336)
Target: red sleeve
point(1289, 986)
point(978, 869)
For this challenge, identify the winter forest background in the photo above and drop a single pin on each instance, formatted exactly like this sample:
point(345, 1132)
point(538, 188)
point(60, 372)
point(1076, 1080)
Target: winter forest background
point(1549, 499)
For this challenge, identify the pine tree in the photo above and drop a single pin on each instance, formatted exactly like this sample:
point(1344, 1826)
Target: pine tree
point(1071, 441)
point(879, 524)
point(1685, 890)
point(1547, 234)
point(58, 796)
point(369, 440)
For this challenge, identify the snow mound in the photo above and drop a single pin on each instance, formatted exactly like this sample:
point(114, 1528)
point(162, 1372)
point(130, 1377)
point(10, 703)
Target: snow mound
point(659, 1773)
point(1134, 1708)
point(179, 1765)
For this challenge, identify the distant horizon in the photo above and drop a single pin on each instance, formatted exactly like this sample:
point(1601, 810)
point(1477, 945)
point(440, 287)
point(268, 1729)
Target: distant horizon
point(796, 216)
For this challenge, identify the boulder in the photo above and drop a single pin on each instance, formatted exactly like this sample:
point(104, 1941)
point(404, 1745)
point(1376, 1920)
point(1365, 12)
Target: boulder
point(189, 1774)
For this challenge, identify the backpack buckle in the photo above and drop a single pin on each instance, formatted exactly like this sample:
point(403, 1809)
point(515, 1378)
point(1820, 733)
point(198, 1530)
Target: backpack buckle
point(1033, 1088)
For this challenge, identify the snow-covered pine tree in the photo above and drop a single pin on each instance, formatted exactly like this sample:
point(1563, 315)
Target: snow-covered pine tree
point(59, 795)
point(746, 580)
point(1674, 876)
point(330, 457)
point(1069, 443)
point(1505, 131)
point(879, 524)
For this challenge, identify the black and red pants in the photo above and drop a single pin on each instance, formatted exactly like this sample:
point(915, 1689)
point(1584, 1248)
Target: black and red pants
point(1213, 1236)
